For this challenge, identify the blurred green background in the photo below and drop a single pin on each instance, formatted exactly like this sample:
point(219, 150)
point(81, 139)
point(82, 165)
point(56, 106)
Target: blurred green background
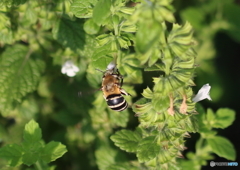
point(217, 32)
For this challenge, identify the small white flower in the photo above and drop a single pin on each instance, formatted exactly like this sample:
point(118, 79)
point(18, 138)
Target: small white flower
point(69, 69)
point(203, 93)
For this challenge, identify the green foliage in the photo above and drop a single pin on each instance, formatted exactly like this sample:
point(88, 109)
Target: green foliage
point(101, 12)
point(147, 149)
point(145, 41)
point(222, 147)
point(126, 140)
point(32, 150)
point(82, 8)
point(12, 153)
point(209, 142)
point(69, 33)
point(20, 73)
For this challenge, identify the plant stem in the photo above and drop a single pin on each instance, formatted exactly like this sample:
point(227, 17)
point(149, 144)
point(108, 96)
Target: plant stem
point(38, 166)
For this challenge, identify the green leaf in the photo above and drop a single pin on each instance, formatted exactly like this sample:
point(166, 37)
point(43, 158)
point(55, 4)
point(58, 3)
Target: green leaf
point(31, 145)
point(6, 34)
point(52, 151)
point(180, 39)
point(126, 140)
point(101, 11)
point(188, 164)
point(32, 133)
point(106, 156)
point(131, 60)
point(147, 93)
point(222, 147)
point(121, 167)
point(19, 74)
point(91, 27)
point(30, 157)
point(224, 118)
point(160, 102)
point(101, 58)
point(133, 74)
point(147, 149)
point(142, 108)
point(32, 148)
point(156, 67)
point(12, 153)
point(145, 39)
point(69, 33)
point(30, 16)
point(83, 8)
point(210, 117)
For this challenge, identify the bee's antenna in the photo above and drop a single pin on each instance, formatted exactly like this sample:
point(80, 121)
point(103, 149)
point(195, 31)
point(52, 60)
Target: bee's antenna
point(99, 70)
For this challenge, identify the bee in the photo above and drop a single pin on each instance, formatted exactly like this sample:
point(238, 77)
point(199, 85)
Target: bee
point(112, 82)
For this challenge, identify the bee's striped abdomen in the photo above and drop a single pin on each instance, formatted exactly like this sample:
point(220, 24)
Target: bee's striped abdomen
point(116, 102)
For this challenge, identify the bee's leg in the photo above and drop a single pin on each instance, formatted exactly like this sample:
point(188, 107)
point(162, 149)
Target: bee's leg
point(121, 83)
point(120, 77)
point(124, 92)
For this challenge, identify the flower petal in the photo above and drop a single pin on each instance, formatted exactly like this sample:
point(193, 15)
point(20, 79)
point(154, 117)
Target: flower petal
point(64, 70)
point(69, 68)
point(203, 93)
point(71, 73)
point(75, 68)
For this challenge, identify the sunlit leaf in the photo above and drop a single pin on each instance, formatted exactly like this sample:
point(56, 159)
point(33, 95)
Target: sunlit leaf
point(52, 151)
point(31, 145)
point(32, 133)
point(126, 140)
